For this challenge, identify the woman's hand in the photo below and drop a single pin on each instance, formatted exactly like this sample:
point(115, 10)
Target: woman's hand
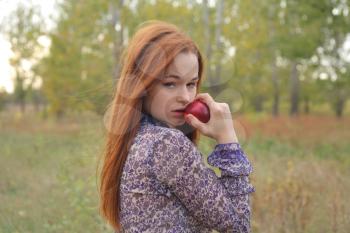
point(220, 125)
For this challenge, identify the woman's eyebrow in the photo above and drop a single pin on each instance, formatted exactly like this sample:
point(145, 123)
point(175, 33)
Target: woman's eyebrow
point(177, 77)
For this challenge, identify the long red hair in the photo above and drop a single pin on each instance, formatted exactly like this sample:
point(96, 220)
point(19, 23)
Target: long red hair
point(149, 53)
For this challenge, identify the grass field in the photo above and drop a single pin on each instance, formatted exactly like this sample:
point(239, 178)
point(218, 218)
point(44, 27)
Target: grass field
point(301, 173)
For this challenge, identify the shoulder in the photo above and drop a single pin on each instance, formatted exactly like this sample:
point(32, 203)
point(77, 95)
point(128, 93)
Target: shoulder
point(158, 133)
point(172, 149)
point(166, 136)
point(171, 135)
point(173, 143)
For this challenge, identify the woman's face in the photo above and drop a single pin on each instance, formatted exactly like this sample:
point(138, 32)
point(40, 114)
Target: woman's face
point(175, 90)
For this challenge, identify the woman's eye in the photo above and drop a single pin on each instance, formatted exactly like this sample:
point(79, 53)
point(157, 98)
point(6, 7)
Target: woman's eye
point(173, 84)
point(168, 84)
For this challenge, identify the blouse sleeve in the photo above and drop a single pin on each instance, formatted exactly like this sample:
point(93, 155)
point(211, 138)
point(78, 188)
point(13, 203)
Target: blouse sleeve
point(220, 203)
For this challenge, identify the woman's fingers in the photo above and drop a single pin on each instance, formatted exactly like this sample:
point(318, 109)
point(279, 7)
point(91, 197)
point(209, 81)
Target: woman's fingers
point(206, 98)
point(225, 110)
point(193, 121)
point(220, 122)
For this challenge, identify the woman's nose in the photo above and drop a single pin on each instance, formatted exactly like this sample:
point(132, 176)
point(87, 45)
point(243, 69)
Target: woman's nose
point(184, 96)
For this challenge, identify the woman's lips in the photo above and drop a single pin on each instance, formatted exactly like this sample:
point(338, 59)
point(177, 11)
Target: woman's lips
point(178, 113)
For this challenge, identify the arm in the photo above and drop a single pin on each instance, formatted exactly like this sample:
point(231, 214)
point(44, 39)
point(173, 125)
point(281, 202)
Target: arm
point(218, 203)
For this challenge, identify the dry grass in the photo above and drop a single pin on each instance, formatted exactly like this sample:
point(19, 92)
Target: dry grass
point(301, 171)
point(303, 130)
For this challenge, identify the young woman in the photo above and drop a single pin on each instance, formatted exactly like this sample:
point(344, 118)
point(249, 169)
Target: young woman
point(153, 177)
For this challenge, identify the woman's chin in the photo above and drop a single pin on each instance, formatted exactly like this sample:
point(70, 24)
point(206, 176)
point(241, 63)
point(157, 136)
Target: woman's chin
point(176, 123)
point(180, 121)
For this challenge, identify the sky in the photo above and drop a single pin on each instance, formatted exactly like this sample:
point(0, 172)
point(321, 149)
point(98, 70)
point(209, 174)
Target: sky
point(47, 8)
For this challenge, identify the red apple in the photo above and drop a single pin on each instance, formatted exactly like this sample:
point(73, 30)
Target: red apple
point(198, 109)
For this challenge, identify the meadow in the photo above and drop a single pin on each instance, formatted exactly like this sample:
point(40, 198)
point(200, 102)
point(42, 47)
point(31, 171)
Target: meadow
point(301, 173)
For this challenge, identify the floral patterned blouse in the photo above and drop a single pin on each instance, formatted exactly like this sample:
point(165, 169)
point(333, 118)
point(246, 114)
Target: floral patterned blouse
point(166, 187)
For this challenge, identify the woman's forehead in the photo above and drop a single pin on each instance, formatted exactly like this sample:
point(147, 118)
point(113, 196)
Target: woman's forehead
point(184, 65)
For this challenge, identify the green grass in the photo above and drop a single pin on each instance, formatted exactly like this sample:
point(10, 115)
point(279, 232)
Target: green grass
point(48, 179)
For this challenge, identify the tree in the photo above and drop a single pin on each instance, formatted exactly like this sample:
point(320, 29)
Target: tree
point(3, 98)
point(300, 37)
point(77, 73)
point(246, 29)
point(22, 29)
point(336, 34)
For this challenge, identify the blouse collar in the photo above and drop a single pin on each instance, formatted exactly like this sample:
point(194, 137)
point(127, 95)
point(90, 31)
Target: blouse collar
point(147, 118)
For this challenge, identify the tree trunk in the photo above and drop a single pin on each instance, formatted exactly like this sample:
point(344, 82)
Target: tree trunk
point(258, 103)
point(219, 12)
point(341, 94)
point(340, 103)
point(59, 115)
point(274, 75)
point(339, 108)
point(118, 38)
point(294, 91)
point(20, 92)
point(306, 105)
point(22, 105)
point(216, 85)
point(37, 105)
point(276, 94)
point(207, 43)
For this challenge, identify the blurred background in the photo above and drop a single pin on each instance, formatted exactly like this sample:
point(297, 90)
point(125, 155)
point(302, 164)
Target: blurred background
point(283, 66)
